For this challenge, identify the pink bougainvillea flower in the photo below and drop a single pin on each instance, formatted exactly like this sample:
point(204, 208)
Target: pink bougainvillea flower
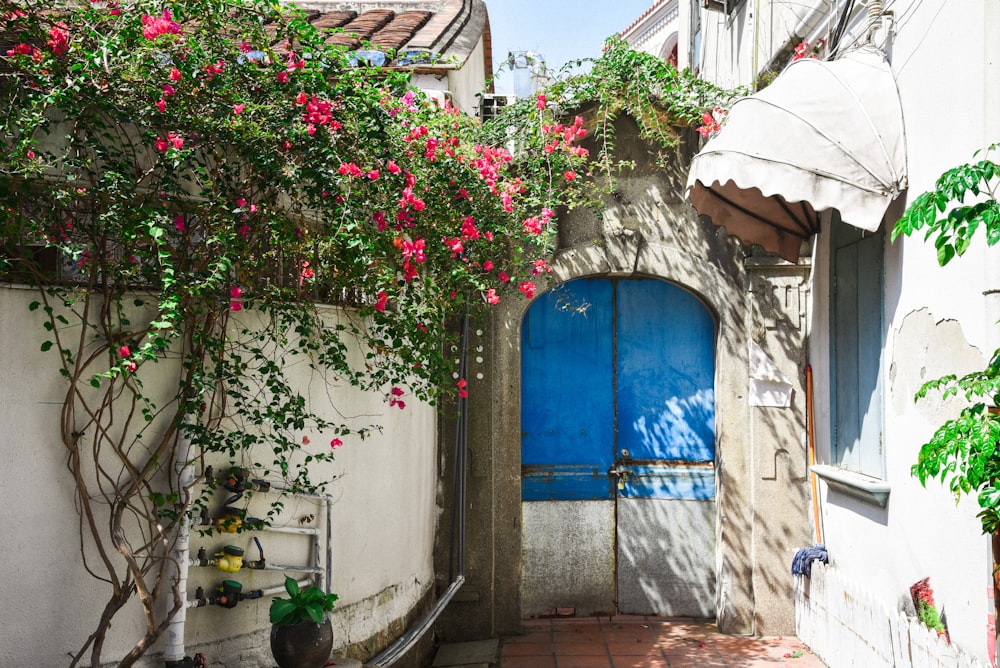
point(488, 265)
point(410, 271)
point(244, 230)
point(413, 250)
point(58, 40)
point(282, 77)
point(569, 175)
point(176, 140)
point(236, 298)
point(540, 102)
point(454, 244)
point(373, 175)
point(160, 25)
point(238, 108)
point(469, 229)
point(241, 202)
point(349, 169)
point(252, 208)
point(124, 351)
point(503, 277)
point(492, 297)
point(382, 298)
point(394, 397)
point(461, 385)
point(393, 167)
point(132, 366)
point(161, 105)
point(30, 154)
point(541, 267)
point(175, 74)
point(295, 62)
point(533, 226)
point(336, 443)
point(162, 144)
point(179, 223)
point(305, 440)
point(168, 90)
point(307, 273)
point(527, 288)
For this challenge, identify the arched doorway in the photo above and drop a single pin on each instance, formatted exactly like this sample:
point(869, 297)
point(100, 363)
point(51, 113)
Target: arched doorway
point(618, 450)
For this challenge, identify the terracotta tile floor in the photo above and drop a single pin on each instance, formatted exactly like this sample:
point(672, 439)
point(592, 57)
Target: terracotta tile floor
point(645, 642)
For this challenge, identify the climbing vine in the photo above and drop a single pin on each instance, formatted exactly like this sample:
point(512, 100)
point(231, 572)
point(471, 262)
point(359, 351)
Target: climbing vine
point(184, 184)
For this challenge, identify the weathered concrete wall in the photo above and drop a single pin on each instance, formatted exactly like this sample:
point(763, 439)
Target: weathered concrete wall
point(647, 230)
point(779, 313)
point(383, 522)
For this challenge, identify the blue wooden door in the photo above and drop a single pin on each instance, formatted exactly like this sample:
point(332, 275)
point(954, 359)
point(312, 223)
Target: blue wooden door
point(618, 412)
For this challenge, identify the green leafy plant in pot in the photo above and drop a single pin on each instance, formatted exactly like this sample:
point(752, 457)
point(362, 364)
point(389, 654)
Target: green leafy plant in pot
point(301, 634)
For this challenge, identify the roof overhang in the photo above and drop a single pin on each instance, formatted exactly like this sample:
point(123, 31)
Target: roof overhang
point(824, 135)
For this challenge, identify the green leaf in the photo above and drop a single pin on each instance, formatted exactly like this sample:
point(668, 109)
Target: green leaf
point(945, 254)
point(46, 345)
point(282, 610)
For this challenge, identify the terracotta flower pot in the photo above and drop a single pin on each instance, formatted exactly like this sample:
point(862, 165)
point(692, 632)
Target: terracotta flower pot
point(303, 645)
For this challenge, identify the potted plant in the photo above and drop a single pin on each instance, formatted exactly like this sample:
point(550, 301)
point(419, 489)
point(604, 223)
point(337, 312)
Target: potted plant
point(301, 634)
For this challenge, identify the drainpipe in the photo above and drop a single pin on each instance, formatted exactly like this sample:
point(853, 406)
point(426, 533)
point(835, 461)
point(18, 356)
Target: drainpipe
point(991, 295)
point(177, 571)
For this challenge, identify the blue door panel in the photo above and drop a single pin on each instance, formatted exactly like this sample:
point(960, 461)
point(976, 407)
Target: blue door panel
point(567, 397)
point(666, 373)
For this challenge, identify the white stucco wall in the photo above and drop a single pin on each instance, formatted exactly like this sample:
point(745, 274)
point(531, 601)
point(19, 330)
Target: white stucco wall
point(936, 319)
point(383, 521)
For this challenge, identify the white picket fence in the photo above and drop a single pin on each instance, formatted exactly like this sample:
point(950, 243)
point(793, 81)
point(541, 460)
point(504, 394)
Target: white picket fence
point(845, 626)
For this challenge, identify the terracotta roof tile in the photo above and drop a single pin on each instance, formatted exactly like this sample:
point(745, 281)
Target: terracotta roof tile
point(400, 30)
point(335, 19)
point(370, 22)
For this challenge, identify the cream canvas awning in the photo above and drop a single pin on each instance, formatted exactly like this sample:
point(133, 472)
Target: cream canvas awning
point(824, 135)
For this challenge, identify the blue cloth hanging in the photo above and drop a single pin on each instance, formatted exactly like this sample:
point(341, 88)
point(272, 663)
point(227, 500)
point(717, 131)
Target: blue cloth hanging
point(802, 563)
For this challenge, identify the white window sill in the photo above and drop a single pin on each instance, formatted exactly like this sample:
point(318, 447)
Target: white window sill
point(858, 485)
